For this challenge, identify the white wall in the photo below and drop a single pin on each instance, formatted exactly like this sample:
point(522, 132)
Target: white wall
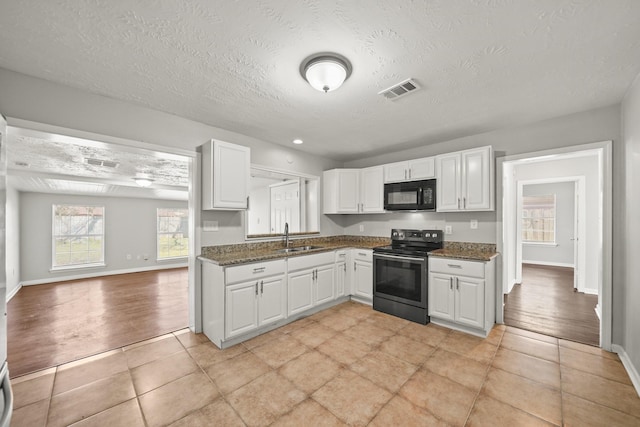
point(630, 289)
point(562, 252)
point(130, 228)
point(12, 239)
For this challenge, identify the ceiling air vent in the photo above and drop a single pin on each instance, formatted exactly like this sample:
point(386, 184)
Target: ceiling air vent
point(401, 89)
point(105, 163)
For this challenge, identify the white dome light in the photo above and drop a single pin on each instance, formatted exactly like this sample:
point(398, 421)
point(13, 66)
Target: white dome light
point(326, 71)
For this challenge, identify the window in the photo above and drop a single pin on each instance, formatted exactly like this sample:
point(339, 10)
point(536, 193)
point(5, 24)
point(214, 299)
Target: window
point(173, 233)
point(539, 219)
point(78, 236)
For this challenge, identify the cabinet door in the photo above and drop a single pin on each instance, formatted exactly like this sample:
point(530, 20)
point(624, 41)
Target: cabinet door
point(341, 278)
point(241, 311)
point(422, 168)
point(372, 190)
point(441, 296)
point(448, 183)
point(469, 301)
point(300, 285)
point(396, 172)
point(476, 179)
point(273, 302)
point(325, 290)
point(348, 190)
point(363, 279)
point(230, 163)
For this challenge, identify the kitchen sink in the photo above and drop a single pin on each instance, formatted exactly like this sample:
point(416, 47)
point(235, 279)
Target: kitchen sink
point(298, 249)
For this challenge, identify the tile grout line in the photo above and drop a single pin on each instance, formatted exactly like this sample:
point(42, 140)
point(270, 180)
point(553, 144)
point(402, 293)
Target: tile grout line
point(484, 380)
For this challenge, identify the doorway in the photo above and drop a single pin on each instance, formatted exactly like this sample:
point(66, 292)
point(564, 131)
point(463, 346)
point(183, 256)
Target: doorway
point(593, 161)
point(57, 164)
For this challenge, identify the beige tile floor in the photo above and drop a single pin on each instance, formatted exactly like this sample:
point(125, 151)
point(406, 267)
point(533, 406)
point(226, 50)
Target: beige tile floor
point(347, 365)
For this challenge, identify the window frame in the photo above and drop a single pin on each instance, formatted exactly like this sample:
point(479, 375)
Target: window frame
point(555, 222)
point(55, 236)
point(158, 234)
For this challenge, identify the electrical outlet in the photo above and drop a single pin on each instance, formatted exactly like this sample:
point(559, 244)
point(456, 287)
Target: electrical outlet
point(129, 257)
point(448, 229)
point(145, 257)
point(474, 224)
point(361, 228)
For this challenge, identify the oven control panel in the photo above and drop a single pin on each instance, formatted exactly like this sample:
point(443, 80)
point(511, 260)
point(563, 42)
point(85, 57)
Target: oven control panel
point(431, 236)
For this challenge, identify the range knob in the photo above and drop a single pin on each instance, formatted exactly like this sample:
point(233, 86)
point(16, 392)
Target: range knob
point(401, 235)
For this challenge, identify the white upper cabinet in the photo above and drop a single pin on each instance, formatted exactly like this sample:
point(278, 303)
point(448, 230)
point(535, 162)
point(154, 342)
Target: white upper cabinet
point(225, 176)
point(350, 191)
point(371, 190)
point(465, 180)
point(411, 170)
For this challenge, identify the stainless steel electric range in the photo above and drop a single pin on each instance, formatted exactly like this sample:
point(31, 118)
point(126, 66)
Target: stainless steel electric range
point(400, 273)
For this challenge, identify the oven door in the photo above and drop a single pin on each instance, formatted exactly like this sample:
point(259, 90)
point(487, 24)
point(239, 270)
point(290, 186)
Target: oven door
point(400, 278)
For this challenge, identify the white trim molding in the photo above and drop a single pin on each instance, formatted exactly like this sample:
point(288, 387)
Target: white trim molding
point(101, 273)
point(14, 292)
point(548, 263)
point(626, 362)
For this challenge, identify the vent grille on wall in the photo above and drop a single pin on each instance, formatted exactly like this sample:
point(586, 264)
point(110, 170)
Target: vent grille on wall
point(401, 89)
point(105, 163)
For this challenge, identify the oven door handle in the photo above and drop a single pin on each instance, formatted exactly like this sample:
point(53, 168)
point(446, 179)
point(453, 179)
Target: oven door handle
point(400, 257)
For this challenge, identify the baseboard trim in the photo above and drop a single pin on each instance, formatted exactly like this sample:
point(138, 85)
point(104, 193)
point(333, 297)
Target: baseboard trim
point(14, 292)
point(100, 273)
point(550, 264)
point(628, 365)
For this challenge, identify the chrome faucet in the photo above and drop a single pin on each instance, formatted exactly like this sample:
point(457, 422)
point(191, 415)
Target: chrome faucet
point(286, 234)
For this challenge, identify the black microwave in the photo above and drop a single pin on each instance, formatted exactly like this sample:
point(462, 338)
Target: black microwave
point(410, 196)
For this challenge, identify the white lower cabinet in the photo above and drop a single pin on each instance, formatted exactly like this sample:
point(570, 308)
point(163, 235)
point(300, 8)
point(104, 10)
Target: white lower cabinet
point(238, 301)
point(461, 293)
point(310, 281)
point(342, 280)
point(254, 303)
point(363, 274)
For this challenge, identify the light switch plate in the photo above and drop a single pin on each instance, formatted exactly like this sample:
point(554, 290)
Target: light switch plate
point(474, 224)
point(448, 229)
point(210, 226)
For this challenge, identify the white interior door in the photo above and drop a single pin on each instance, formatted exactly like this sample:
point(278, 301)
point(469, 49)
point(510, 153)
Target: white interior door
point(285, 206)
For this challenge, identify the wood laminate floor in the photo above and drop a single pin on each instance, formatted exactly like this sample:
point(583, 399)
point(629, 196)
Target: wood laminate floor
point(546, 303)
point(57, 323)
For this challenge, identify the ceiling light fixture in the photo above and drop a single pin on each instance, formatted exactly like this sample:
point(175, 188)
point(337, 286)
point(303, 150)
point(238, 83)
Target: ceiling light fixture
point(143, 182)
point(326, 71)
point(297, 141)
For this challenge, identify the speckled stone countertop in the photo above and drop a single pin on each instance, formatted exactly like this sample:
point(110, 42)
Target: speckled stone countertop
point(243, 253)
point(466, 250)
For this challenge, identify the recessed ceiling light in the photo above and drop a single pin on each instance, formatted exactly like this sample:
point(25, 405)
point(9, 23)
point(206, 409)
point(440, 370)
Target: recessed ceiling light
point(297, 141)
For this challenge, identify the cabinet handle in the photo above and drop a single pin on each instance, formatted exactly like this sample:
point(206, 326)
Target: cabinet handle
point(362, 254)
point(457, 284)
point(262, 287)
point(450, 283)
point(342, 255)
point(354, 266)
point(259, 270)
point(458, 202)
point(464, 202)
point(409, 173)
point(454, 266)
point(405, 174)
point(345, 267)
point(256, 288)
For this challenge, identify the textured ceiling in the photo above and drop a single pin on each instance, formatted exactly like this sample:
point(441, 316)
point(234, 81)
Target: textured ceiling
point(44, 162)
point(482, 64)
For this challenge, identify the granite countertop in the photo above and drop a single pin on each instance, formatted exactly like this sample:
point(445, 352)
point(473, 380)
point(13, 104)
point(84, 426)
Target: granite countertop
point(466, 250)
point(244, 253)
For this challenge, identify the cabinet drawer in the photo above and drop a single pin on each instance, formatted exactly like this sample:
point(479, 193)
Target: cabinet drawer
point(456, 267)
point(242, 273)
point(363, 255)
point(310, 261)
